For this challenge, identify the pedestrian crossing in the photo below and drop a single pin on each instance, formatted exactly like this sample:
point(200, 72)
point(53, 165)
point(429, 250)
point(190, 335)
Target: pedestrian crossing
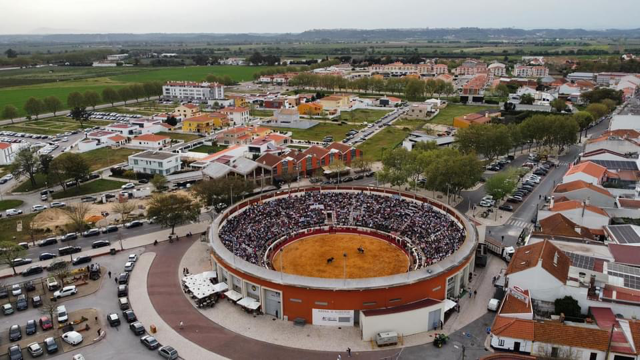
point(520, 223)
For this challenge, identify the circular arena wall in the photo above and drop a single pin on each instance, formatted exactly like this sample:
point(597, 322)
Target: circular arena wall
point(297, 296)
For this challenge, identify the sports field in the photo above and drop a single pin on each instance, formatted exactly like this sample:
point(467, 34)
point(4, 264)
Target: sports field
point(308, 257)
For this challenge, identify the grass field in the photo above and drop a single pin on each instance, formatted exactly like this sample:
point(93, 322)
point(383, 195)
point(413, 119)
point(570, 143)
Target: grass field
point(105, 157)
point(208, 149)
point(82, 79)
point(362, 115)
point(446, 115)
point(318, 132)
point(10, 204)
point(262, 113)
point(410, 123)
point(180, 136)
point(26, 186)
point(52, 126)
point(387, 139)
point(8, 228)
point(92, 187)
point(308, 257)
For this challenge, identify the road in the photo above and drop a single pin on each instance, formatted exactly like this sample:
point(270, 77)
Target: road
point(65, 112)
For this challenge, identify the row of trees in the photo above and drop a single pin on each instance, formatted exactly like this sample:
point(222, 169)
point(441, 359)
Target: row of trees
point(68, 166)
point(413, 89)
point(35, 107)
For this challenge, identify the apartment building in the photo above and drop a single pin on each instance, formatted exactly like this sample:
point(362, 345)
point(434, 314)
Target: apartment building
point(155, 162)
point(193, 90)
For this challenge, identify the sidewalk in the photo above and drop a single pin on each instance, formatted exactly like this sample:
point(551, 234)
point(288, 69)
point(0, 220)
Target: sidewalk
point(129, 243)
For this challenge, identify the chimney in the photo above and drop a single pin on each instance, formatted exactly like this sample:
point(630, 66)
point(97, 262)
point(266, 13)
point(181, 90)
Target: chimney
point(551, 202)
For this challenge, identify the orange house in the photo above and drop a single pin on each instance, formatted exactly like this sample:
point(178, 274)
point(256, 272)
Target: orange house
point(310, 109)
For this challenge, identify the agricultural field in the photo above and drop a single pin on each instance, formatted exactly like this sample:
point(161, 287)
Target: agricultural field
point(387, 139)
point(363, 115)
point(15, 90)
point(52, 126)
point(318, 132)
point(446, 115)
point(106, 157)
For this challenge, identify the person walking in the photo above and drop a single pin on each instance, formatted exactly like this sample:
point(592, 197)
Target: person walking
point(470, 293)
point(181, 325)
point(116, 279)
point(109, 274)
point(349, 352)
point(475, 293)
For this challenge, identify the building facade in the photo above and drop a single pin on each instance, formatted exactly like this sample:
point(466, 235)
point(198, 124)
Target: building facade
point(193, 90)
point(155, 162)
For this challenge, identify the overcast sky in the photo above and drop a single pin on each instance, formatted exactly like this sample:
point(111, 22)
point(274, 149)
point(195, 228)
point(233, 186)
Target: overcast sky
point(263, 16)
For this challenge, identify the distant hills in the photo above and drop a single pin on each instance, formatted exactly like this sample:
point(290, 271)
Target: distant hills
point(333, 35)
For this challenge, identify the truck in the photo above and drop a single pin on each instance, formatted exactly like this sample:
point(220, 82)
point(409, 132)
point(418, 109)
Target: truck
point(498, 248)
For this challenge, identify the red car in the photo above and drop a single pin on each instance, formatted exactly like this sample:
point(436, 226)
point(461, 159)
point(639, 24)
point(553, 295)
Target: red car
point(45, 323)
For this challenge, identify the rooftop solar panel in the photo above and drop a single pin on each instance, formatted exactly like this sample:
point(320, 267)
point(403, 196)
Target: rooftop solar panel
point(617, 164)
point(581, 261)
point(624, 234)
point(629, 274)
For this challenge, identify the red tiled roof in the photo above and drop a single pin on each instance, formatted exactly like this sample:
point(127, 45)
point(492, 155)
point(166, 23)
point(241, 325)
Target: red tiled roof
point(151, 137)
point(574, 336)
point(576, 204)
point(513, 305)
point(588, 168)
point(625, 254)
point(191, 106)
point(269, 159)
point(579, 184)
point(343, 148)
point(4, 145)
point(629, 203)
point(601, 151)
point(529, 256)
point(513, 328)
point(117, 138)
point(559, 225)
point(316, 151)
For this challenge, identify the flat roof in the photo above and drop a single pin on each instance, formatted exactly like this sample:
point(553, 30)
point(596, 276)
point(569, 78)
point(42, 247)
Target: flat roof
point(156, 155)
point(624, 234)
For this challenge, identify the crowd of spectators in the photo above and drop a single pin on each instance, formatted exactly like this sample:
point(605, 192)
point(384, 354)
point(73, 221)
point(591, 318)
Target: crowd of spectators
point(250, 232)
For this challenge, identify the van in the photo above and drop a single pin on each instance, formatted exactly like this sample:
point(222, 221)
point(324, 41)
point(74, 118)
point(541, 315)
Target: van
point(493, 305)
point(61, 313)
point(123, 302)
point(387, 338)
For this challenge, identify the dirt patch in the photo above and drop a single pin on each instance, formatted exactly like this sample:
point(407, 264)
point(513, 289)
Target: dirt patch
point(86, 325)
point(308, 257)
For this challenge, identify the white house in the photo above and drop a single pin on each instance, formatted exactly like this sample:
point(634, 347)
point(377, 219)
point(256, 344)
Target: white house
point(238, 115)
point(497, 69)
point(578, 211)
point(147, 126)
point(193, 90)
point(581, 190)
point(155, 162)
point(151, 141)
point(589, 172)
point(123, 129)
point(8, 151)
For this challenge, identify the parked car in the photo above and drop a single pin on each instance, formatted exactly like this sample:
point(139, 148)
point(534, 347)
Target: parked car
point(57, 264)
point(69, 236)
point(32, 270)
point(16, 289)
point(514, 199)
point(15, 333)
point(36, 208)
point(109, 229)
point(85, 199)
point(137, 328)
point(46, 323)
point(65, 291)
point(21, 303)
point(4, 293)
point(34, 349)
point(129, 316)
point(100, 243)
point(31, 327)
point(47, 256)
point(72, 338)
point(113, 319)
point(150, 342)
point(15, 352)
point(21, 261)
point(123, 303)
point(51, 345)
point(47, 242)
point(68, 250)
point(7, 309)
point(168, 352)
point(132, 258)
point(57, 204)
point(12, 212)
point(133, 224)
point(52, 283)
point(143, 181)
point(91, 232)
point(128, 267)
point(62, 314)
point(81, 260)
point(128, 186)
point(123, 278)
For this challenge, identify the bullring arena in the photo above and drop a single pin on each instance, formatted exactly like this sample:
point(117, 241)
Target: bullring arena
point(373, 258)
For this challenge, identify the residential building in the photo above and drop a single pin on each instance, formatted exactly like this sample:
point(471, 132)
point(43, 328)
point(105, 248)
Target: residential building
point(421, 136)
point(313, 109)
point(8, 151)
point(559, 226)
point(471, 67)
point(205, 123)
point(481, 117)
point(497, 69)
point(346, 153)
point(419, 111)
point(389, 101)
point(236, 115)
point(588, 172)
point(581, 212)
point(123, 129)
point(187, 110)
point(235, 136)
point(151, 141)
point(335, 102)
point(530, 71)
point(582, 190)
point(155, 162)
point(625, 122)
point(147, 126)
point(238, 100)
point(193, 90)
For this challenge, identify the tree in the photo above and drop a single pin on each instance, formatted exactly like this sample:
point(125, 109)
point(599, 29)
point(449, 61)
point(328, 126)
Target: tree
point(62, 272)
point(75, 100)
point(79, 114)
point(52, 104)
point(597, 110)
point(583, 119)
point(414, 90)
point(527, 99)
point(110, 96)
point(567, 306)
point(213, 192)
point(25, 163)
point(9, 112)
point(9, 251)
point(159, 182)
point(45, 163)
point(598, 95)
point(11, 54)
point(256, 58)
point(124, 209)
point(77, 213)
point(502, 90)
point(559, 105)
point(501, 184)
point(452, 171)
point(56, 173)
point(488, 140)
point(171, 210)
point(611, 104)
point(137, 91)
point(75, 166)
point(125, 94)
point(34, 107)
point(171, 120)
point(91, 98)
point(149, 89)
point(361, 163)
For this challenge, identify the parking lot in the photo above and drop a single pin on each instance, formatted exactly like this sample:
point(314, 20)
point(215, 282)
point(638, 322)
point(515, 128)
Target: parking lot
point(101, 302)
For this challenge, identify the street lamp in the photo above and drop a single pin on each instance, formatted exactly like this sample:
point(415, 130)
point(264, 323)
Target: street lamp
point(345, 267)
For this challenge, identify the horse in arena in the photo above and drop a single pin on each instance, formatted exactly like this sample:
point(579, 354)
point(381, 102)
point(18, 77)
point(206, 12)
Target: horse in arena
point(330, 260)
point(360, 250)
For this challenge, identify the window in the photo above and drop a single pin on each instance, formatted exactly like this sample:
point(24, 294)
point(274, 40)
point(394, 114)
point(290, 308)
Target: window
point(322, 303)
point(500, 342)
point(593, 356)
point(295, 300)
point(554, 351)
point(371, 303)
point(135, 162)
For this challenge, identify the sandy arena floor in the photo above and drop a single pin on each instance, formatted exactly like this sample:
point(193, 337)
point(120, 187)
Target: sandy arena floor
point(308, 257)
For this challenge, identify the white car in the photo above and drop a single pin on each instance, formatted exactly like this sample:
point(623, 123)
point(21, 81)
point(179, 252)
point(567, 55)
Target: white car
point(133, 258)
point(57, 204)
point(65, 291)
point(12, 212)
point(485, 203)
point(8, 177)
point(128, 186)
point(128, 267)
point(72, 337)
point(37, 208)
